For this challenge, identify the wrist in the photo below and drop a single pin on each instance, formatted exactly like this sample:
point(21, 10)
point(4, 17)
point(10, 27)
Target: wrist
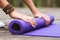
point(36, 13)
point(8, 9)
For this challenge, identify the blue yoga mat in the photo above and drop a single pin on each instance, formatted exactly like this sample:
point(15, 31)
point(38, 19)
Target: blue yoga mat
point(20, 27)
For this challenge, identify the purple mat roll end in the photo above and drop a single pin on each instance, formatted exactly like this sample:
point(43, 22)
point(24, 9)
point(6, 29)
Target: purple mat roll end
point(14, 27)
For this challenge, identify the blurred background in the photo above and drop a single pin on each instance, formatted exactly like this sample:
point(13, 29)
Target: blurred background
point(44, 6)
point(38, 3)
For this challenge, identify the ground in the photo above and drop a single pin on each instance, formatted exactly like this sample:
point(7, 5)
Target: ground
point(6, 35)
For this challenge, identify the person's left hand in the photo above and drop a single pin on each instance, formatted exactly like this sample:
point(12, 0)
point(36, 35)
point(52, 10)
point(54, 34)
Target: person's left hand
point(39, 15)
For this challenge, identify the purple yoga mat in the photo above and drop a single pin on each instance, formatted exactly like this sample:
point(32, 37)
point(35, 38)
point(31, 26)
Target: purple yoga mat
point(50, 31)
point(20, 27)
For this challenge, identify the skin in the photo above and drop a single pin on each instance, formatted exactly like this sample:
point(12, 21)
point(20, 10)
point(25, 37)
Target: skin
point(34, 10)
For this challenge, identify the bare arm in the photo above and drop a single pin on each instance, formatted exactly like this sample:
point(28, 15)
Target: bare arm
point(31, 5)
point(3, 3)
point(35, 11)
point(16, 15)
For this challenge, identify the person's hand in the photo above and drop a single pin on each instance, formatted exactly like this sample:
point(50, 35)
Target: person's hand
point(38, 15)
point(29, 19)
point(16, 15)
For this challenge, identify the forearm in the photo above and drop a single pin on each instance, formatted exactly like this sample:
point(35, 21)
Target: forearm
point(3, 3)
point(31, 5)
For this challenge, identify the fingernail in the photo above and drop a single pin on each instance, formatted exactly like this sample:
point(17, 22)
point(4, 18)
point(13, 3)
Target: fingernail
point(36, 24)
point(33, 26)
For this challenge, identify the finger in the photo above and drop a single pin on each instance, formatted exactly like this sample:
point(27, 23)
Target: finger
point(30, 21)
point(33, 23)
point(38, 16)
point(26, 20)
point(47, 20)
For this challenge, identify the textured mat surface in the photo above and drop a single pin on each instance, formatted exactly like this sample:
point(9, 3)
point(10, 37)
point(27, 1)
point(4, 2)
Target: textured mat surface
point(50, 31)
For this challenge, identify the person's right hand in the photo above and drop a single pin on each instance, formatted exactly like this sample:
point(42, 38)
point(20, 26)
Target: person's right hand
point(16, 15)
point(40, 15)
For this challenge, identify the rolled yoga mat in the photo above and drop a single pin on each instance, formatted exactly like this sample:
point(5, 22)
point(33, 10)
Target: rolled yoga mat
point(20, 27)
